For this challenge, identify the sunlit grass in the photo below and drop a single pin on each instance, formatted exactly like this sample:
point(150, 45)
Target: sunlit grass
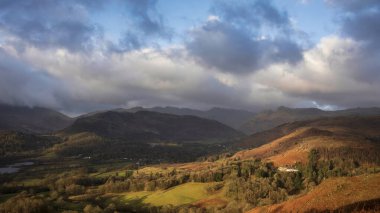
point(176, 196)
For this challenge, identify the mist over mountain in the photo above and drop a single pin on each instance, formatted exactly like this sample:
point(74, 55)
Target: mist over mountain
point(32, 119)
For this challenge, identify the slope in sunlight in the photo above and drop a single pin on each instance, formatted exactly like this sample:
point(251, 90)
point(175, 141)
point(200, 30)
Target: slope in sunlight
point(291, 143)
point(343, 194)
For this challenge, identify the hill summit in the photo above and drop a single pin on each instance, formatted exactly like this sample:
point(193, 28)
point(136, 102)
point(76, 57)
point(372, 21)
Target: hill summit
point(146, 125)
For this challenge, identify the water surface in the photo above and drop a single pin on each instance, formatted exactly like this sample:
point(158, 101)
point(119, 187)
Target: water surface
point(13, 168)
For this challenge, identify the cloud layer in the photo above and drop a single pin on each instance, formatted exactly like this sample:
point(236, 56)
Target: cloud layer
point(246, 55)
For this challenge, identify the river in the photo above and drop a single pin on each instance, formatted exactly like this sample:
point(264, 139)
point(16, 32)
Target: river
point(12, 168)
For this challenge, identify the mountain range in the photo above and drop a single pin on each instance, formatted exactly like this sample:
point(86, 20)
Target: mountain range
point(270, 119)
point(43, 120)
point(144, 158)
point(231, 117)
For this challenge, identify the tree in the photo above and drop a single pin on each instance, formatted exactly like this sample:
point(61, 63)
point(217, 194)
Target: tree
point(298, 181)
point(92, 209)
point(239, 169)
point(312, 169)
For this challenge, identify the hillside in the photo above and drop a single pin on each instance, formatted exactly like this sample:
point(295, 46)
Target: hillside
point(344, 194)
point(291, 143)
point(152, 126)
point(270, 119)
point(17, 144)
point(144, 137)
point(94, 172)
point(32, 119)
point(230, 117)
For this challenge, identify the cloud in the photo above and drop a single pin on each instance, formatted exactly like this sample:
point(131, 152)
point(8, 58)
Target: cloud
point(147, 26)
point(21, 84)
point(360, 22)
point(326, 75)
point(145, 77)
point(252, 13)
point(147, 18)
point(341, 69)
point(47, 24)
point(360, 19)
point(234, 42)
point(243, 56)
point(354, 5)
point(148, 77)
point(221, 46)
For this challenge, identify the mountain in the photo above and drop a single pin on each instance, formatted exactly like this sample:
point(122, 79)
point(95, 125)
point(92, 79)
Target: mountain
point(230, 117)
point(269, 119)
point(287, 144)
point(146, 125)
point(144, 136)
point(32, 119)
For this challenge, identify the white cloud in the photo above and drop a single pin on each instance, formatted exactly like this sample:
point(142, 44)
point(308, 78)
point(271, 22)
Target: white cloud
point(146, 77)
point(155, 77)
point(213, 18)
point(325, 75)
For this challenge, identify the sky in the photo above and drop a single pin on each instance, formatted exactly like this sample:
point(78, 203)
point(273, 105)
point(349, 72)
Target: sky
point(78, 56)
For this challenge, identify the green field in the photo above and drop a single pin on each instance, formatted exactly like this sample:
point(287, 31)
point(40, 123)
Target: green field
point(176, 196)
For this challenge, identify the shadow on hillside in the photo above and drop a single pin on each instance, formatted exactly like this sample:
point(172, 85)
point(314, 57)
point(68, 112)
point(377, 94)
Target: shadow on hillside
point(135, 205)
point(362, 206)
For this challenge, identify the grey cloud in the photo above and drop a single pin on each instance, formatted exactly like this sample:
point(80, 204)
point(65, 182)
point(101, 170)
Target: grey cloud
point(67, 24)
point(22, 85)
point(148, 25)
point(283, 50)
point(361, 22)
point(360, 19)
point(225, 47)
point(354, 5)
point(92, 82)
point(148, 20)
point(364, 26)
point(128, 42)
point(87, 80)
point(50, 23)
point(234, 44)
point(252, 13)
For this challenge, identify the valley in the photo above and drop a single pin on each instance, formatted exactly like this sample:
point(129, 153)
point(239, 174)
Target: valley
point(156, 162)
